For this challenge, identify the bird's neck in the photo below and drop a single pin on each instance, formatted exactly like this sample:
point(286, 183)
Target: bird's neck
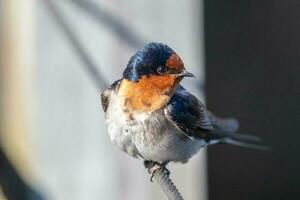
point(150, 93)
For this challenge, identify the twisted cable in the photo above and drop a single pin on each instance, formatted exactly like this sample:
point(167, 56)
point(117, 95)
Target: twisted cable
point(162, 178)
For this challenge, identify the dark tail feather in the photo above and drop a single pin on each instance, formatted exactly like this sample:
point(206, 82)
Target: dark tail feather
point(225, 131)
point(245, 137)
point(246, 144)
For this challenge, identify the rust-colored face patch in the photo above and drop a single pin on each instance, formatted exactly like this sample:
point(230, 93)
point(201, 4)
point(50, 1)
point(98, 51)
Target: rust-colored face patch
point(149, 94)
point(175, 62)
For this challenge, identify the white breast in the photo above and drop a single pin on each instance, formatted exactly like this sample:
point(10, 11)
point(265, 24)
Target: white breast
point(149, 135)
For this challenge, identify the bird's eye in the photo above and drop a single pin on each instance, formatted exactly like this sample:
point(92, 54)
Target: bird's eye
point(161, 70)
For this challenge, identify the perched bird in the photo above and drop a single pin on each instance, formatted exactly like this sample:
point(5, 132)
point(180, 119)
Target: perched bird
point(152, 117)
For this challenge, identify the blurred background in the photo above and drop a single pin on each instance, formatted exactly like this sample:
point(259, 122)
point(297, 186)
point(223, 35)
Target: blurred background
point(57, 55)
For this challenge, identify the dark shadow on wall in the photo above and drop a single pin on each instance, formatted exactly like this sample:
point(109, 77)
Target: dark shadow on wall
point(253, 73)
point(12, 185)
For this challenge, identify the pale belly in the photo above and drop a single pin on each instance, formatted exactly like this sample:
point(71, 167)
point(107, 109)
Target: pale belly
point(149, 136)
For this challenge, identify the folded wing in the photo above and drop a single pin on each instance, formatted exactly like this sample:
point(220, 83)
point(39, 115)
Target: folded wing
point(190, 115)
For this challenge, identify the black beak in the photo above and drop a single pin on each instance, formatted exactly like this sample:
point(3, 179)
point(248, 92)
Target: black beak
point(185, 73)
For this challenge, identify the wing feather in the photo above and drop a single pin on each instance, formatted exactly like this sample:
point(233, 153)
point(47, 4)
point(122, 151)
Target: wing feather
point(190, 115)
point(105, 95)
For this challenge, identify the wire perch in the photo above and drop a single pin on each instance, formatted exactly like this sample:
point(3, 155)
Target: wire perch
point(162, 177)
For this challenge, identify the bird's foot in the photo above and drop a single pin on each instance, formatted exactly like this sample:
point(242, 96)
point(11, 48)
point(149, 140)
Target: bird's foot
point(153, 167)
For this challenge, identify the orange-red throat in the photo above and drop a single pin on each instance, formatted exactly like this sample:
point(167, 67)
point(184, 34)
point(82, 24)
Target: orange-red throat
point(150, 93)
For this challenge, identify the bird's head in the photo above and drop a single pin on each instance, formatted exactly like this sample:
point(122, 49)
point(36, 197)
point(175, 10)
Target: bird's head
point(151, 77)
point(155, 60)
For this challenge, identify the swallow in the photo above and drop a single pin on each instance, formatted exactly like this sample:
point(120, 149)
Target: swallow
point(151, 116)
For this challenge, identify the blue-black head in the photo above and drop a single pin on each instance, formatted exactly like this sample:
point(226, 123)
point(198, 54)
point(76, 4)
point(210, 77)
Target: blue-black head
point(155, 59)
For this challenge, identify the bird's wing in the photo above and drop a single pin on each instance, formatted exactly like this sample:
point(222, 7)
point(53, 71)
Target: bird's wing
point(190, 115)
point(105, 95)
